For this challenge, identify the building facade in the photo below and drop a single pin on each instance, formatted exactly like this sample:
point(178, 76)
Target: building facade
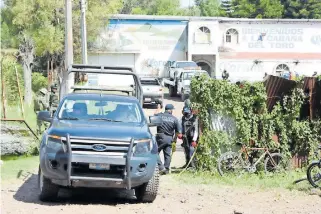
point(246, 48)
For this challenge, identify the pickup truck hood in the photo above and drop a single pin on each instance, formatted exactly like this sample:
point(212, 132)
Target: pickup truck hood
point(100, 129)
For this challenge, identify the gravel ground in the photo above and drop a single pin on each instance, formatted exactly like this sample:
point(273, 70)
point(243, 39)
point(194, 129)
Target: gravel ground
point(173, 197)
point(15, 139)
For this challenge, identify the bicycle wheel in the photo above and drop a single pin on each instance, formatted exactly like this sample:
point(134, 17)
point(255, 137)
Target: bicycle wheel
point(230, 162)
point(275, 163)
point(314, 179)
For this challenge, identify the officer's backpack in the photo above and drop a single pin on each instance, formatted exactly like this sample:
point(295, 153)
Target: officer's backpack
point(189, 126)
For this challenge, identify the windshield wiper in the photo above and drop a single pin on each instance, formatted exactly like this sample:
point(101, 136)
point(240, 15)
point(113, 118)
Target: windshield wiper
point(106, 119)
point(69, 118)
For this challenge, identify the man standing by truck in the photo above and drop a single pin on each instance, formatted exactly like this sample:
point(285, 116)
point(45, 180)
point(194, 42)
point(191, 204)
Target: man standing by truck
point(190, 130)
point(41, 104)
point(53, 99)
point(165, 135)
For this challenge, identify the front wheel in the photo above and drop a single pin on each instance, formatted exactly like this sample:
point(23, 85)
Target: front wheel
point(275, 163)
point(48, 190)
point(147, 192)
point(230, 162)
point(314, 175)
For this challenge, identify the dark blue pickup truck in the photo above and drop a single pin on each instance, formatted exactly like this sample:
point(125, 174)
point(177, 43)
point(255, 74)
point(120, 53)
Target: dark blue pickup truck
point(98, 139)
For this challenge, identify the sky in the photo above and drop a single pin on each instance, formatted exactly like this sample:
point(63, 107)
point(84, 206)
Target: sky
point(186, 3)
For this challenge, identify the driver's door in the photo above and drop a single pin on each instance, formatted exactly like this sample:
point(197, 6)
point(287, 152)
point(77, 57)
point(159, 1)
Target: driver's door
point(180, 82)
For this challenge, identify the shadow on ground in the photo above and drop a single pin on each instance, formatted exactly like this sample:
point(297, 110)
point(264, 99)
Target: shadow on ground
point(28, 193)
point(176, 98)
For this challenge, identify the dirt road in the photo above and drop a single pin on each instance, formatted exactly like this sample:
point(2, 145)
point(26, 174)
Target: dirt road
point(174, 197)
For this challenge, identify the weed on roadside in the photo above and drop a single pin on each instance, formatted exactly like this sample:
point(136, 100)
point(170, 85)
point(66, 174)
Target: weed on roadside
point(256, 181)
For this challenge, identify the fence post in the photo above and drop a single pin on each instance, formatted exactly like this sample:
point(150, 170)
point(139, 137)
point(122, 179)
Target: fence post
point(21, 103)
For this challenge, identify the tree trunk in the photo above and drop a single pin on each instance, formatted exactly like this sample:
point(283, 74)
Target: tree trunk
point(27, 84)
point(26, 58)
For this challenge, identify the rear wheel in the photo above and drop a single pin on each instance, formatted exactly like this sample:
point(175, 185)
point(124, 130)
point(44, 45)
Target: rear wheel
point(275, 163)
point(314, 175)
point(147, 192)
point(183, 96)
point(48, 190)
point(172, 91)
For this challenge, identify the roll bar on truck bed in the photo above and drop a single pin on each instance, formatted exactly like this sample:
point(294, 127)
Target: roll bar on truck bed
point(117, 70)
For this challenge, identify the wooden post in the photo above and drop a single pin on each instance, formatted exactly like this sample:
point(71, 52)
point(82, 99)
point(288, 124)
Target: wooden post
point(3, 92)
point(311, 86)
point(21, 103)
point(48, 75)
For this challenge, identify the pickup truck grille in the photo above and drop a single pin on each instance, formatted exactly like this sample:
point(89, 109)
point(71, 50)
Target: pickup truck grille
point(83, 146)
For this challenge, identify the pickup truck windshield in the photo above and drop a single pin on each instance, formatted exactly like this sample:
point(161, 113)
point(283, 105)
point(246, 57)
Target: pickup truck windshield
point(185, 64)
point(105, 110)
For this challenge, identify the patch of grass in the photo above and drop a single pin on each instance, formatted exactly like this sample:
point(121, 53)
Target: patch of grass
point(18, 169)
point(256, 181)
point(14, 112)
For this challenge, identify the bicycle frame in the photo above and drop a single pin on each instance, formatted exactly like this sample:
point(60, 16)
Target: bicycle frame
point(245, 150)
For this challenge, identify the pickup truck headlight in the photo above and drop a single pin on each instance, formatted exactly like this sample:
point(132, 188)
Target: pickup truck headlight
point(142, 146)
point(55, 142)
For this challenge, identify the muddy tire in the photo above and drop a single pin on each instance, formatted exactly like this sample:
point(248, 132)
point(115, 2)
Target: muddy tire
point(172, 91)
point(48, 190)
point(147, 192)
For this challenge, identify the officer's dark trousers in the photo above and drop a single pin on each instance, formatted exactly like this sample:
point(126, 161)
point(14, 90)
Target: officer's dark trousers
point(164, 144)
point(189, 151)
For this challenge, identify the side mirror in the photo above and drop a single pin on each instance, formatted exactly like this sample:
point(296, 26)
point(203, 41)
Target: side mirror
point(155, 121)
point(44, 116)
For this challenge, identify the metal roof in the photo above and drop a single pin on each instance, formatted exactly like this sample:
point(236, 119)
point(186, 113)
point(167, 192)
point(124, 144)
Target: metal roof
point(205, 18)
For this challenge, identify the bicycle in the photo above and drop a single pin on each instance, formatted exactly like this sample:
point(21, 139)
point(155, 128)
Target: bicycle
point(315, 178)
point(235, 162)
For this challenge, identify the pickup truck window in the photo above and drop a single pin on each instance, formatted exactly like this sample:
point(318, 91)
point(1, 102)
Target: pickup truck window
point(186, 64)
point(149, 82)
point(105, 110)
point(189, 75)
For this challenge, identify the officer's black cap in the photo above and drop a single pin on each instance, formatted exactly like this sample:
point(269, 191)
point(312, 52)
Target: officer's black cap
point(169, 107)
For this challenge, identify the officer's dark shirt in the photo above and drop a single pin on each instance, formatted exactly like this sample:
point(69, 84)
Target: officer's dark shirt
point(170, 124)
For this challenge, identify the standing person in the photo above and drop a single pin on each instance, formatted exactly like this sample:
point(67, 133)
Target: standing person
point(190, 130)
point(53, 99)
point(41, 104)
point(165, 135)
point(225, 75)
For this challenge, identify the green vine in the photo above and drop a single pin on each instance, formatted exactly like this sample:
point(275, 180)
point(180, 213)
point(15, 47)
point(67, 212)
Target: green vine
point(245, 104)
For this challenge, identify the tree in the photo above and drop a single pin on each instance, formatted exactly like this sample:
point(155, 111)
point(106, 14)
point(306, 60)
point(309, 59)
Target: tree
point(210, 8)
point(299, 9)
point(257, 9)
point(41, 23)
point(165, 7)
point(26, 58)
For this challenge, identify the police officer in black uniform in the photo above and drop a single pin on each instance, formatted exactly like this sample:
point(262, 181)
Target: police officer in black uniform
point(190, 130)
point(165, 136)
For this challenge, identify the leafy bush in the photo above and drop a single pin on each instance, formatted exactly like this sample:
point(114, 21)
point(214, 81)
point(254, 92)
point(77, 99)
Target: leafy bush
point(38, 81)
point(254, 124)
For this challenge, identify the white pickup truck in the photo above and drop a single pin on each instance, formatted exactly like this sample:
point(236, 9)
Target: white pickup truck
point(179, 78)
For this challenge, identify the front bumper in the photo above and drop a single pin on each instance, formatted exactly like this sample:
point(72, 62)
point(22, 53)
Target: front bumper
point(62, 168)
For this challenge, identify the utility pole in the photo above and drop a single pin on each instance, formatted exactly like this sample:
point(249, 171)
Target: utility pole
point(83, 6)
point(68, 80)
